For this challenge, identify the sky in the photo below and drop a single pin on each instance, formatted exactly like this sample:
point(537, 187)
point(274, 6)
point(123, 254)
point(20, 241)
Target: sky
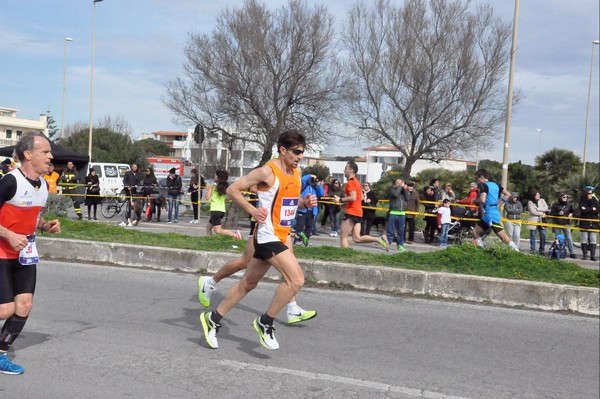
point(139, 48)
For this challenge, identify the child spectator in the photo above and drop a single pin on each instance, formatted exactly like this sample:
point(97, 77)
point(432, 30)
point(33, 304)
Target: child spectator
point(444, 220)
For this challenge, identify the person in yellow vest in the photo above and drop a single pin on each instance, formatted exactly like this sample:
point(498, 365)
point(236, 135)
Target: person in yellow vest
point(52, 178)
point(69, 182)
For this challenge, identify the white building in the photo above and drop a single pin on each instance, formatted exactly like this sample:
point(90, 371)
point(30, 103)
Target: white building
point(381, 158)
point(12, 127)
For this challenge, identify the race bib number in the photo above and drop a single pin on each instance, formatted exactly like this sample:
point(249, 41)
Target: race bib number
point(29, 254)
point(288, 211)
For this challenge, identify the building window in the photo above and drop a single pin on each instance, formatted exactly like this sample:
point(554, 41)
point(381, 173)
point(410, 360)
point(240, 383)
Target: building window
point(19, 133)
point(9, 134)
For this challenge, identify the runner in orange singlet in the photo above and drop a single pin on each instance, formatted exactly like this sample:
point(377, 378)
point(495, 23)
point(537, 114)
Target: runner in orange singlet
point(278, 185)
point(354, 212)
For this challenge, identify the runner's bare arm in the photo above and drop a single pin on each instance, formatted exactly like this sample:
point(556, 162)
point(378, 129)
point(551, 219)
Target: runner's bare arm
point(260, 176)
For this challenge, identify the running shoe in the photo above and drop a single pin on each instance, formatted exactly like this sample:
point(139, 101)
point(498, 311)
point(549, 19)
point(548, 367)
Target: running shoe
point(237, 235)
point(205, 290)
point(304, 238)
point(298, 315)
point(401, 249)
point(8, 367)
point(210, 329)
point(333, 234)
point(123, 224)
point(266, 335)
point(384, 243)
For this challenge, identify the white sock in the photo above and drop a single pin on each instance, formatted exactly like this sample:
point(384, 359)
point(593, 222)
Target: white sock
point(211, 281)
point(292, 306)
point(513, 246)
point(478, 242)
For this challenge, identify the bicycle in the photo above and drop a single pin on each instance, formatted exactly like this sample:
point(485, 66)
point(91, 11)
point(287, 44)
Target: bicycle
point(113, 205)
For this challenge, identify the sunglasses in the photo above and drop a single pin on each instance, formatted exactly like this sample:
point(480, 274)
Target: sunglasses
point(297, 151)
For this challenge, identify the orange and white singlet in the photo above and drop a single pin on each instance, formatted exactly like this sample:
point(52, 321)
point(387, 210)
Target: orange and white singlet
point(21, 213)
point(282, 201)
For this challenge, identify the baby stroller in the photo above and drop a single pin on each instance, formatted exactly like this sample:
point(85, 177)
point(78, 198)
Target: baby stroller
point(558, 249)
point(460, 229)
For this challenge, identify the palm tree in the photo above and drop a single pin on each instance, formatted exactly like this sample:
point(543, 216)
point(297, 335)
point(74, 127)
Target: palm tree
point(554, 166)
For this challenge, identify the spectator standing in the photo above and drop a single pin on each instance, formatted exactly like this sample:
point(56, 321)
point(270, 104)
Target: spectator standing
point(369, 201)
point(4, 167)
point(435, 186)
point(52, 178)
point(398, 202)
point(326, 207)
point(412, 208)
point(444, 220)
point(563, 210)
point(69, 180)
point(196, 182)
point(537, 208)
point(306, 217)
point(149, 188)
point(354, 212)
point(174, 185)
point(588, 211)
point(130, 181)
point(430, 218)
point(513, 209)
point(335, 209)
point(447, 193)
point(317, 209)
point(471, 198)
point(92, 194)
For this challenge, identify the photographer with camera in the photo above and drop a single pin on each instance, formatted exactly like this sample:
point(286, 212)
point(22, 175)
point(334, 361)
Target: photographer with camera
point(306, 217)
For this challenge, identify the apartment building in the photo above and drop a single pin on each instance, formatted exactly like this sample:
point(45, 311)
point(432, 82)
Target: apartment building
point(12, 126)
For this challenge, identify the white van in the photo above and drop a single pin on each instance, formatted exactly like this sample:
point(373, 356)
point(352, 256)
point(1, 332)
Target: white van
point(110, 176)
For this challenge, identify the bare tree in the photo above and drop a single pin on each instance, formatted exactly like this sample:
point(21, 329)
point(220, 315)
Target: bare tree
point(427, 76)
point(260, 72)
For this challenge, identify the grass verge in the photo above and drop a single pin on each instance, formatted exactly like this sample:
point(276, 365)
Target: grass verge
point(495, 261)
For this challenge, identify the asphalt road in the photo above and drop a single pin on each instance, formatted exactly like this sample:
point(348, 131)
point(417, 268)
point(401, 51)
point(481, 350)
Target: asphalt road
point(106, 332)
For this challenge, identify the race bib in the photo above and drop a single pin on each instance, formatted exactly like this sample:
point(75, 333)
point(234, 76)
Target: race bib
point(288, 211)
point(29, 254)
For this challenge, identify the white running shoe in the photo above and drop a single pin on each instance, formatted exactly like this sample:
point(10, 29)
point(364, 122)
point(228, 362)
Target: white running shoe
point(129, 224)
point(205, 290)
point(123, 224)
point(266, 335)
point(210, 329)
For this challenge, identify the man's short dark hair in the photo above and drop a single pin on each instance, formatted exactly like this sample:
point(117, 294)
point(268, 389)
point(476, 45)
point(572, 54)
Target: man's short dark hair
point(481, 173)
point(353, 166)
point(291, 138)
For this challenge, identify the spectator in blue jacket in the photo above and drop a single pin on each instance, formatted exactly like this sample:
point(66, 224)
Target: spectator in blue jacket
point(305, 217)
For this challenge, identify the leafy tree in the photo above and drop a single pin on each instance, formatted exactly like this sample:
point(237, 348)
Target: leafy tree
point(108, 146)
point(152, 147)
point(321, 171)
point(522, 178)
point(427, 76)
point(51, 126)
point(260, 72)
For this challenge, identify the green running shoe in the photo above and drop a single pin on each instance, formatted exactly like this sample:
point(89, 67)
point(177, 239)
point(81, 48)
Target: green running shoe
point(299, 315)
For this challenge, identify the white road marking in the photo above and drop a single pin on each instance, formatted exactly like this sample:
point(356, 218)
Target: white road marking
point(417, 393)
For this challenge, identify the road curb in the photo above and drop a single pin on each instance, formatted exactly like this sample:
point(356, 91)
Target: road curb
point(516, 293)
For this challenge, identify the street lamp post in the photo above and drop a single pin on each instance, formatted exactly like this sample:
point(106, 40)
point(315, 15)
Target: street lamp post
point(587, 114)
point(92, 80)
point(511, 74)
point(539, 141)
point(62, 118)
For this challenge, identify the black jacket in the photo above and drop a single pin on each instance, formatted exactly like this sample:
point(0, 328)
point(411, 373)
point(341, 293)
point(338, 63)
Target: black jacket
point(174, 185)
